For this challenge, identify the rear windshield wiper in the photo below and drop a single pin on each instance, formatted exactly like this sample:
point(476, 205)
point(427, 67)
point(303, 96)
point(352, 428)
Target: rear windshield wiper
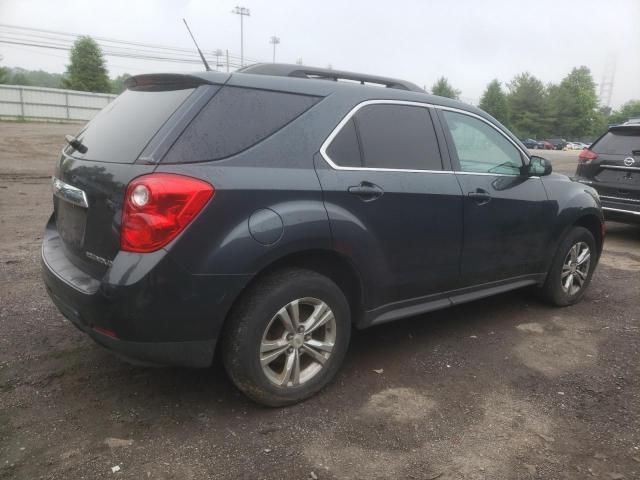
point(75, 144)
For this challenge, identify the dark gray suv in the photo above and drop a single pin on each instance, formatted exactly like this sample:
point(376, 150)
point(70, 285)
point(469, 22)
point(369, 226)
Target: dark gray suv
point(270, 211)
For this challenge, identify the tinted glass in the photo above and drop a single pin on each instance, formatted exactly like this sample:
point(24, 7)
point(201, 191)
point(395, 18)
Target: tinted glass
point(622, 142)
point(480, 147)
point(344, 149)
point(122, 129)
point(234, 120)
point(398, 136)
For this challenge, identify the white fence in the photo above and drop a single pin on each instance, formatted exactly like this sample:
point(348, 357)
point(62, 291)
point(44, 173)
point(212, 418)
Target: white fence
point(50, 104)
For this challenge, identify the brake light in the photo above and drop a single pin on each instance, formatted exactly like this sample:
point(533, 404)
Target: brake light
point(157, 207)
point(587, 156)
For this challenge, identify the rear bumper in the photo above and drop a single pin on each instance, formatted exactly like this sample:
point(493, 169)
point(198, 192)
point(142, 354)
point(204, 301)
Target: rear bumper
point(621, 209)
point(146, 308)
point(615, 207)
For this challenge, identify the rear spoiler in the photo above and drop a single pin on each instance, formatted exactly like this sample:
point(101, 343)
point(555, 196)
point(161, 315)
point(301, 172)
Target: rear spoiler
point(154, 82)
point(629, 127)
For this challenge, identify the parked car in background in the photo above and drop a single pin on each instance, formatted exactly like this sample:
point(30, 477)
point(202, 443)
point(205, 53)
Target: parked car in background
point(632, 121)
point(612, 166)
point(268, 211)
point(546, 145)
point(575, 146)
point(558, 143)
point(530, 143)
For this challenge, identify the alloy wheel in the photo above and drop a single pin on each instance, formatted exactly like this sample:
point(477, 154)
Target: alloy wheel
point(575, 268)
point(298, 342)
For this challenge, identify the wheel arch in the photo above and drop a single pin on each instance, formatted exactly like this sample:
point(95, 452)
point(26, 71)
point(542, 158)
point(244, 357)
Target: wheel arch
point(588, 219)
point(325, 262)
point(595, 225)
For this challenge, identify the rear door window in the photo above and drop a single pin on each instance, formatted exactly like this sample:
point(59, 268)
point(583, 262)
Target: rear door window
point(234, 120)
point(119, 133)
point(387, 136)
point(344, 149)
point(398, 136)
point(620, 142)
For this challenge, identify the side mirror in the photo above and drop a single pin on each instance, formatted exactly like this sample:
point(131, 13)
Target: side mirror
point(539, 166)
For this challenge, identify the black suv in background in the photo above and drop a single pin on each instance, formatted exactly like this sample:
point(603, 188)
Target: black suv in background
point(612, 166)
point(269, 211)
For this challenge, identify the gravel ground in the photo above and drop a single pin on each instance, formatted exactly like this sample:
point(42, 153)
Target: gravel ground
point(503, 388)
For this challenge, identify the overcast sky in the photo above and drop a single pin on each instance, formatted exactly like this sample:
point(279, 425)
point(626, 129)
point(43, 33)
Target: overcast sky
point(469, 42)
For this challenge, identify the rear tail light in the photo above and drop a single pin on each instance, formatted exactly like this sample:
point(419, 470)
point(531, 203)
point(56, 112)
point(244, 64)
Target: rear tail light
point(586, 156)
point(157, 207)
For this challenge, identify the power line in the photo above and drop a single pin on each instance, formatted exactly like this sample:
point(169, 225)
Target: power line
point(51, 39)
point(108, 40)
point(110, 53)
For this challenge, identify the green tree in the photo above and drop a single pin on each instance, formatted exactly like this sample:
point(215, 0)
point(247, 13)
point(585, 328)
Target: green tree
point(19, 78)
point(36, 78)
point(4, 73)
point(551, 109)
point(443, 88)
point(576, 105)
point(600, 122)
point(117, 84)
point(494, 102)
point(87, 70)
point(527, 106)
point(631, 109)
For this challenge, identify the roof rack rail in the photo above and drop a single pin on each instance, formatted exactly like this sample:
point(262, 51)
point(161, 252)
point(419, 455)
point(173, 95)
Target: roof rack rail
point(301, 71)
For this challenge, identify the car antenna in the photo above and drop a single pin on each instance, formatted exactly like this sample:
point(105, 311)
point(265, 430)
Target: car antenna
point(206, 65)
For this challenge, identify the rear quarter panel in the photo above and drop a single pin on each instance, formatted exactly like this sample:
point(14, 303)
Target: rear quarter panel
point(272, 183)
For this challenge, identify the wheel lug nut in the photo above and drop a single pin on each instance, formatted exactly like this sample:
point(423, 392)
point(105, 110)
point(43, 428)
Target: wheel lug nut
point(290, 350)
point(301, 329)
point(307, 337)
point(289, 337)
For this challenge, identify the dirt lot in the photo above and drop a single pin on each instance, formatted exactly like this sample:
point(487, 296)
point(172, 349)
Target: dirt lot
point(505, 388)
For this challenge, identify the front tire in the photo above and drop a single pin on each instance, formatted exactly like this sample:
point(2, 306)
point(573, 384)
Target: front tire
point(572, 268)
point(287, 337)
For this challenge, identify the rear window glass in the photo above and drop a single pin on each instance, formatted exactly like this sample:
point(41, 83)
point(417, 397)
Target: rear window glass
point(344, 149)
point(621, 142)
point(234, 120)
point(398, 136)
point(122, 129)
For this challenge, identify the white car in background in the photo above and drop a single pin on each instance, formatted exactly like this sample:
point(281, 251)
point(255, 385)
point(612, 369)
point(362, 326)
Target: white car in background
point(575, 146)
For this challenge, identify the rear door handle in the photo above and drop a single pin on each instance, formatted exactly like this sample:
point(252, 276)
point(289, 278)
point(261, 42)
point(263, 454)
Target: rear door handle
point(481, 196)
point(367, 191)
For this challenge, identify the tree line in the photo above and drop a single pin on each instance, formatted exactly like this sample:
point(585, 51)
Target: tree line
point(527, 106)
point(532, 109)
point(87, 72)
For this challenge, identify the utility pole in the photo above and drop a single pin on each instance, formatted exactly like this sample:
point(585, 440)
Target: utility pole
point(243, 12)
point(274, 41)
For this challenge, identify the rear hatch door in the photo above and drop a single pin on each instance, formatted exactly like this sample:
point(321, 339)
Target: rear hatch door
point(117, 146)
point(618, 163)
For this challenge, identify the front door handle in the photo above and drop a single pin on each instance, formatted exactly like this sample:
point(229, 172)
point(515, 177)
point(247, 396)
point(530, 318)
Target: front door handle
point(367, 191)
point(481, 196)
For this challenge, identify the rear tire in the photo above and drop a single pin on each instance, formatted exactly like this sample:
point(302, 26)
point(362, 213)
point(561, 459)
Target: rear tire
point(572, 268)
point(287, 337)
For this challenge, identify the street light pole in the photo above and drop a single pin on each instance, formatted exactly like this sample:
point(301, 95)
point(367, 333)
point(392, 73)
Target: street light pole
point(275, 41)
point(243, 12)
